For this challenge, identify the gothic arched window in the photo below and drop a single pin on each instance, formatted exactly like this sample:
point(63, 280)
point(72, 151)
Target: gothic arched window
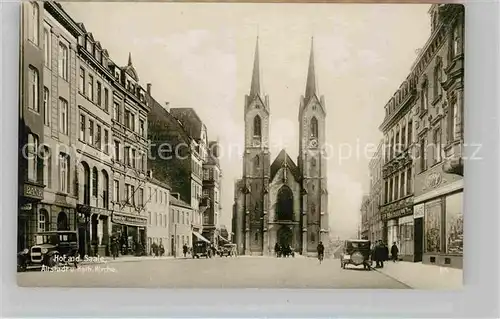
point(314, 127)
point(257, 126)
point(284, 205)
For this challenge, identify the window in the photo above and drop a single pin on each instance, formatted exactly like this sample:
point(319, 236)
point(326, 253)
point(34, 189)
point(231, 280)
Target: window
point(64, 173)
point(63, 118)
point(456, 41)
point(46, 107)
point(133, 158)
point(126, 155)
point(32, 154)
point(402, 185)
point(438, 78)
point(116, 191)
point(82, 127)
point(127, 118)
point(81, 83)
point(132, 122)
point(106, 141)
point(46, 47)
point(35, 13)
point(105, 189)
point(91, 132)
point(117, 151)
point(43, 220)
point(106, 100)
point(403, 137)
point(99, 97)
point(128, 193)
point(424, 98)
point(141, 128)
point(257, 130)
point(91, 88)
point(454, 120)
point(63, 61)
point(95, 182)
point(408, 181)
point(33, 89)
point(410, 133)
point(141, 197)
point(437, 145)
point(116, 111)
point(98, 143)
point(396, 187)
point(423, 154)
point(314, 127)
point(391, 184)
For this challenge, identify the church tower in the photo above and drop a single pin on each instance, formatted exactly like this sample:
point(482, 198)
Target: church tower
point(312, 164)
point(256, 165)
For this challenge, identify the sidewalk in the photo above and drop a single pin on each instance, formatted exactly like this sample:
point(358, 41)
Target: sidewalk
point(421, 276)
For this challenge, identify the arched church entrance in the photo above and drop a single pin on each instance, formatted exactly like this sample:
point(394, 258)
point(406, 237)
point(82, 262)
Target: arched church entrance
point(284, 205)
point(285, 236)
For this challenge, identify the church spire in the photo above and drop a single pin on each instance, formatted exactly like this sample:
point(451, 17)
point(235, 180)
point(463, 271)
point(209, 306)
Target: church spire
point(311, 75)
point(255, 85)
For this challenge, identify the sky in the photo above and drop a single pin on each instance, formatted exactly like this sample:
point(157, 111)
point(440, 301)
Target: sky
point(201, 56)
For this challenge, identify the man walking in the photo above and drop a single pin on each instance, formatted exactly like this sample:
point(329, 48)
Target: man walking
point(321, 251)
point(394, 252)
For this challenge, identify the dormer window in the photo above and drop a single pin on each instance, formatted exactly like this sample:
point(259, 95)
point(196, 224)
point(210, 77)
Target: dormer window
point(89, 46)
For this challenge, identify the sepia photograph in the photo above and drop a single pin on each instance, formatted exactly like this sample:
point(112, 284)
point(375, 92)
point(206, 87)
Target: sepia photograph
point(241, 145)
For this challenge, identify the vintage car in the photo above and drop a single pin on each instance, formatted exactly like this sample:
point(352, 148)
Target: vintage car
point(356, 252)
point(52, 248)
point(201, 249)
point(227, 250)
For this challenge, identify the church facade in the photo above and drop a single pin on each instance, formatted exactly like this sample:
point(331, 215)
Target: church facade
point(282, 201)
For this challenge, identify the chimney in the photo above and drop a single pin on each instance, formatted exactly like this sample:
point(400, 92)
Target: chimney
point(176, 195)
point(149, 88)
point(167, 106)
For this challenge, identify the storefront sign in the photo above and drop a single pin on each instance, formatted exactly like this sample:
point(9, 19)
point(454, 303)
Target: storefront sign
point(33, 191)
point(128, 219)
point(396, 213)
point(26, 207)
point(418, 211)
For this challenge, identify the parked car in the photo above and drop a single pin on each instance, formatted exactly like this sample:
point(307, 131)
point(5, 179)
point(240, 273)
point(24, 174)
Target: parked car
point(356, 252)
point(201, 249)
point(51, 249)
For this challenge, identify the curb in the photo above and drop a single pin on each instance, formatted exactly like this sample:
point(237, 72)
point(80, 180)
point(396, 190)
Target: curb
point(393, 278)
point(113, 261)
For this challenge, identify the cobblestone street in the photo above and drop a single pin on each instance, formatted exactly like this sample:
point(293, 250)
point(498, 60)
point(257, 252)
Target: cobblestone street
point(239, 272)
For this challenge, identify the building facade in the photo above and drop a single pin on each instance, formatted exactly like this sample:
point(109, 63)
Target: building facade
point(282, 202)
point(423, 146)
point(212, 177)
point(375, 223)
point(157, 207)
point(365, 217)
point(181, 217)
point(439, 121)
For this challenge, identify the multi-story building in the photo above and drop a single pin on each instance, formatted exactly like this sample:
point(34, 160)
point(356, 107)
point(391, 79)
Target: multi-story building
point(47, 130)
point(376, 196)
point(365, 225)
point(181, 216)
point(177, 149)
point(212, 176)
point(439, 130)
point(423, 140)
point(157, 206)
point(130, 108)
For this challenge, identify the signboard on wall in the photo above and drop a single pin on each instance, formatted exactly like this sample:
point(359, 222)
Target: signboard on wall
point(418, 211)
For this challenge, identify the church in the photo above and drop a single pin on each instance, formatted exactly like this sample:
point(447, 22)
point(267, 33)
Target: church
point(283, 202)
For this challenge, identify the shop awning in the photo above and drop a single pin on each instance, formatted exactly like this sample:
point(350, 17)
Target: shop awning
point(224, 239)
point(197, 234)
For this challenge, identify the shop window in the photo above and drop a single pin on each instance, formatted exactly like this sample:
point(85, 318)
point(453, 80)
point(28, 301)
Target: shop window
point(433, 226)
point(454, 224)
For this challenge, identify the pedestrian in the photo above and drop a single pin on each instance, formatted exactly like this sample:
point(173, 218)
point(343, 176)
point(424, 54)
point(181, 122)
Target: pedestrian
point(379, 255)
point(321, 251)
point(277, 249)
point(394, 252)
point(184, 250)
point(162, 249)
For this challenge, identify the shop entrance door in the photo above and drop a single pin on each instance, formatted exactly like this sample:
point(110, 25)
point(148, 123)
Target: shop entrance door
point(419, 239)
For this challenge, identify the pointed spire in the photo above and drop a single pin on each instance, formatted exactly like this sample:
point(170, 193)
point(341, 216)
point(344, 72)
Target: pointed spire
point(255, 85)
point(129, 58)
point(311, 75)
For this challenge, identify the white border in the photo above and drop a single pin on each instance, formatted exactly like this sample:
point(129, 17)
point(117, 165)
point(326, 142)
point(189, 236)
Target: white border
point(478, 299)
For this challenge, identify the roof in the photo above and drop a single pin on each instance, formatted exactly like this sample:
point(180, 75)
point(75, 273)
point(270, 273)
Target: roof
point(153, 180)
point(130, 70)
point(212, 158)
point(281, 160)
point(178, 202)
point(190, 120)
